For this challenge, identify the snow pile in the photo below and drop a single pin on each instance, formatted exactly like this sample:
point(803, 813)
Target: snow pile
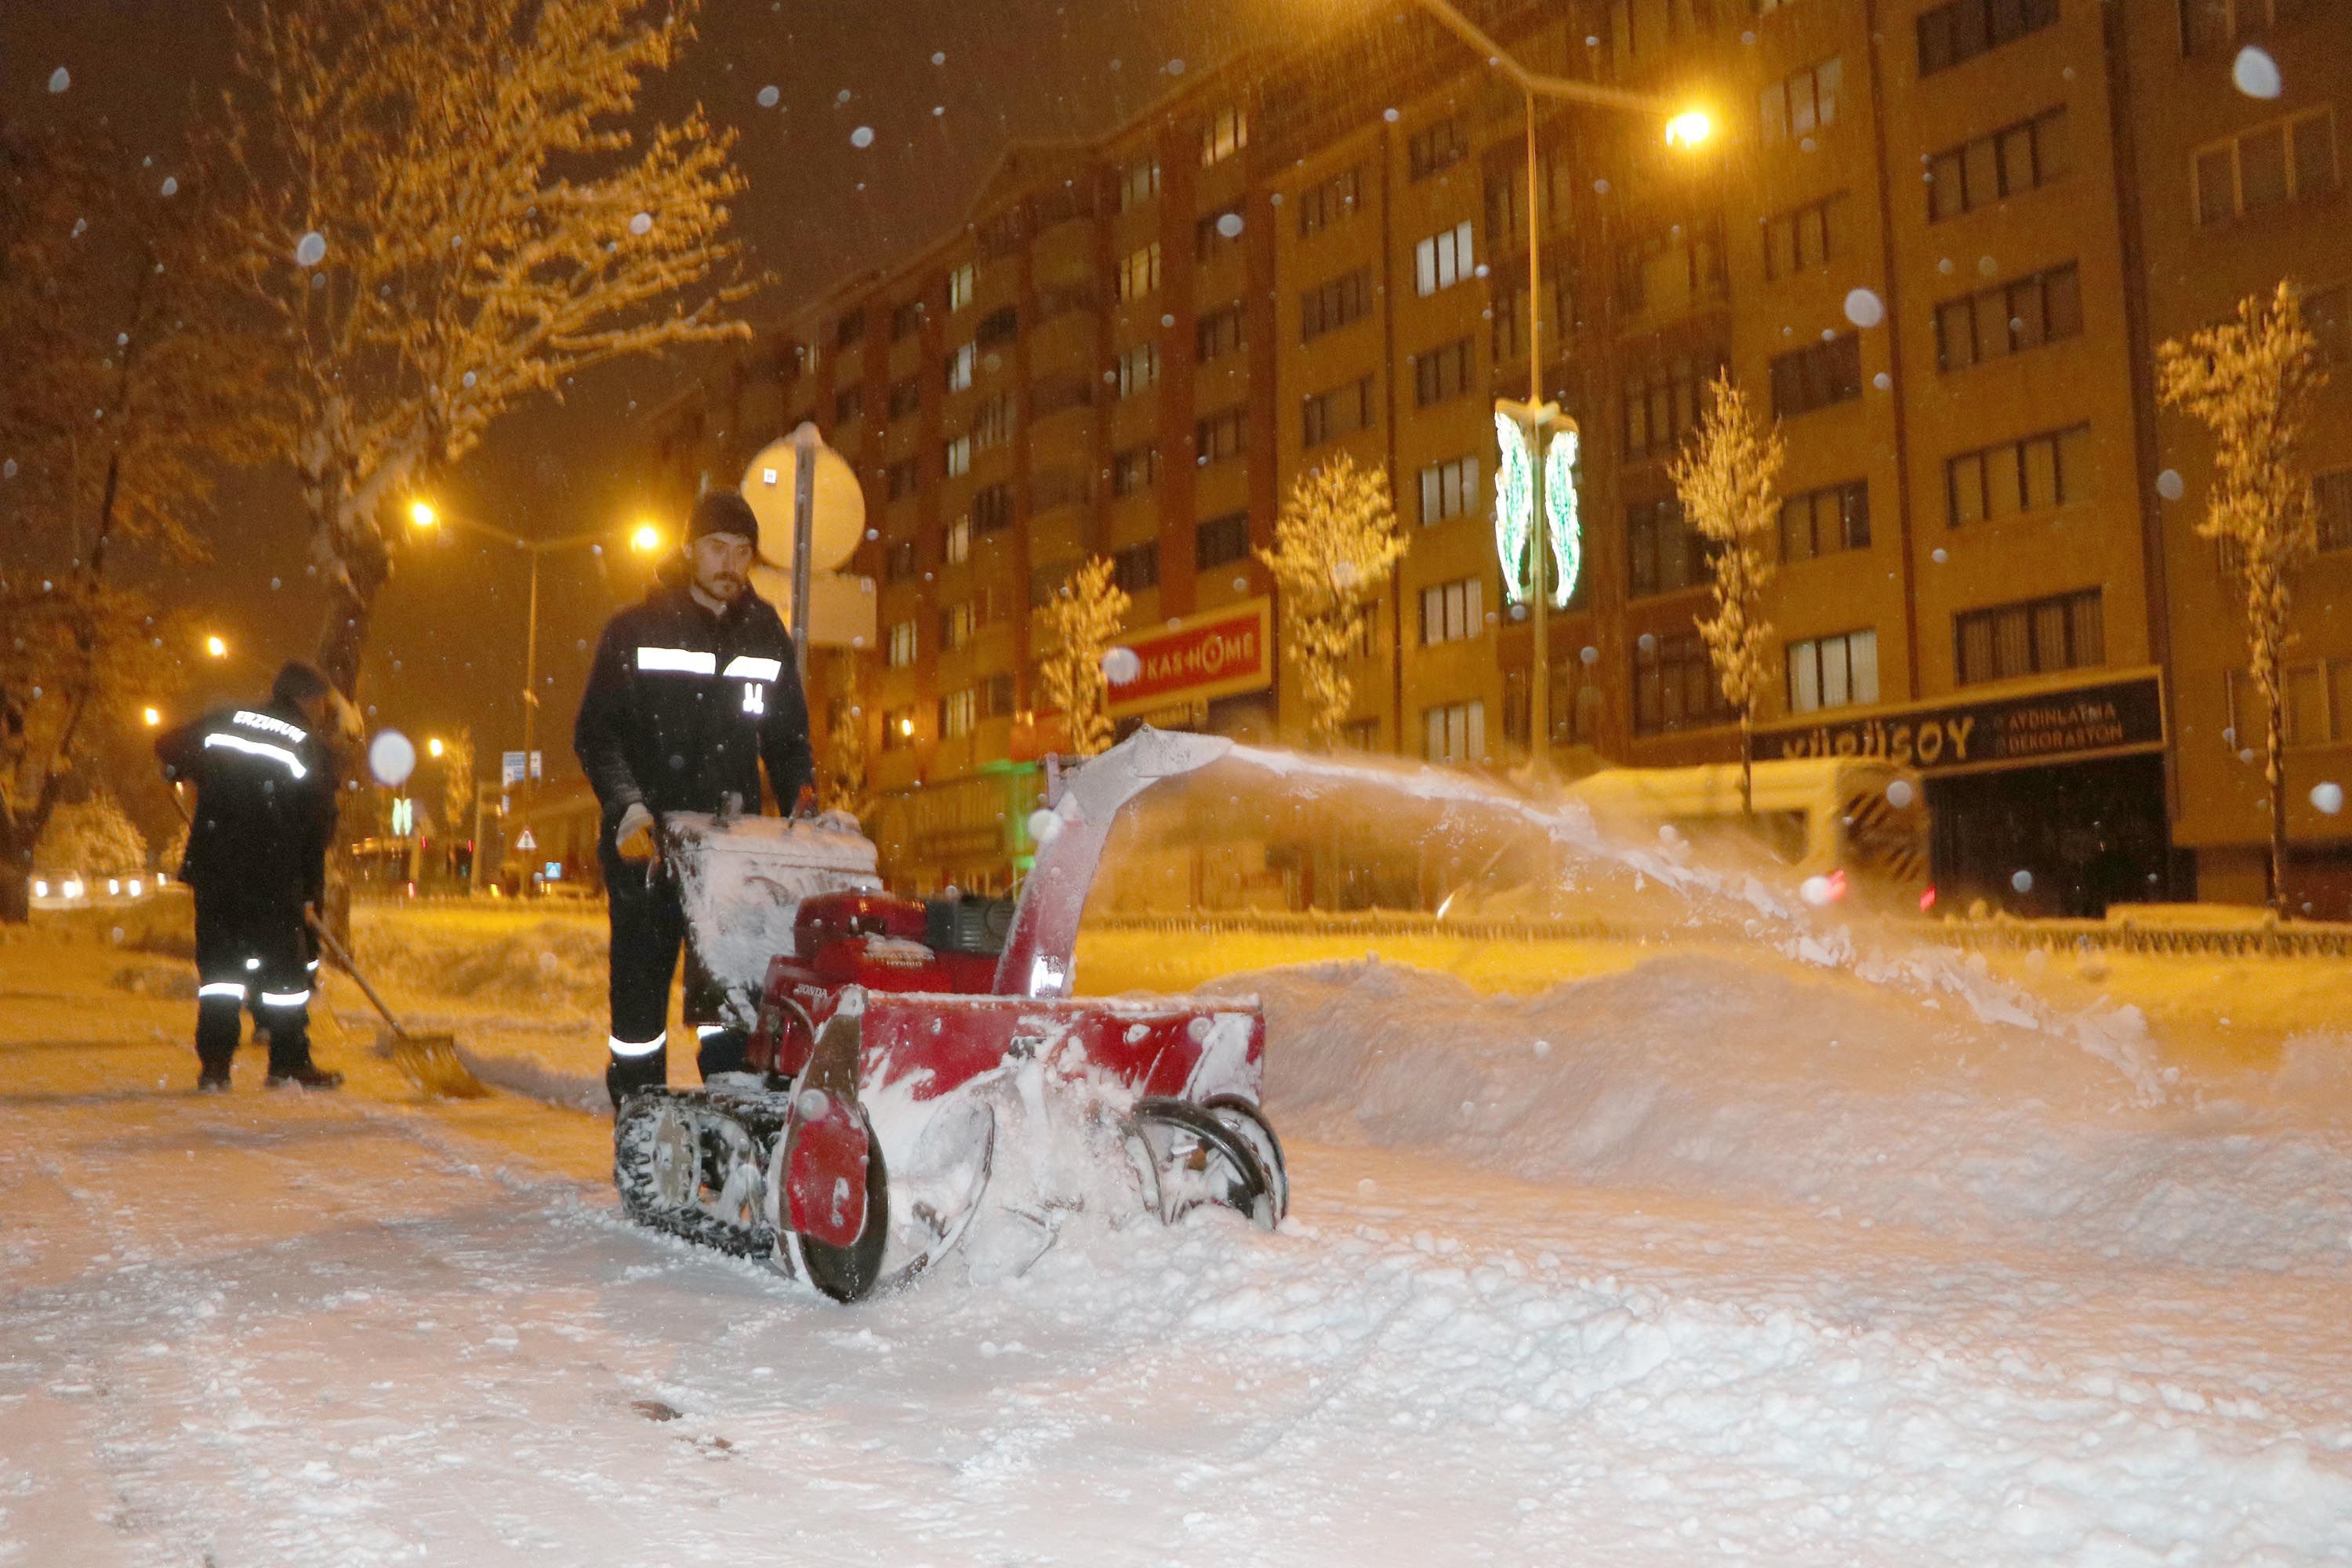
point(551, 965)
point(1700, 1074)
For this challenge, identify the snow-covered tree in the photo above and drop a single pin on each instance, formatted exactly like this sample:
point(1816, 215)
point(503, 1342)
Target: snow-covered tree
point(2252, 381)
point(447, 208)
point(94, 838)
point(127, 389)
point(1336, 544)
point(841, 772)
point(1726, 479)
point(457, 783)
point(1078, 627)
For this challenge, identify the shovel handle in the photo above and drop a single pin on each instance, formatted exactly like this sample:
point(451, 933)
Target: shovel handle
point(343, 962)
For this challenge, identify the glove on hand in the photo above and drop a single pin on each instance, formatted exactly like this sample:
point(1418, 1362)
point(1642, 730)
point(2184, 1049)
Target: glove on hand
point(634, 837)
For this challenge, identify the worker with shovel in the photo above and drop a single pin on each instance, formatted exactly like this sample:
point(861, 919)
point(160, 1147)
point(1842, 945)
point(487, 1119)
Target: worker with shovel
point(256, 857)
point(691, 692)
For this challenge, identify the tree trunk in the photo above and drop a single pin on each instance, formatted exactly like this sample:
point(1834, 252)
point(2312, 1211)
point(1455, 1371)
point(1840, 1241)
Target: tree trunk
point(1748, 759)
point(2276, 745)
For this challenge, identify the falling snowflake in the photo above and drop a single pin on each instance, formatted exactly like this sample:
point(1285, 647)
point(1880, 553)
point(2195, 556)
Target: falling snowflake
point(862, 137)
point(310, 249)
point(768, 97)
point(940, 59)
point(1042, 825)
point(2256, 74)
point(1121, 666)
point(643, 224)
point(2327, 798)
point(1899, 795)
point(1864, 309)
point(2022, 881)
point(171, 185)
point(1229, 225)
point(2170, 486)
point(60, 80)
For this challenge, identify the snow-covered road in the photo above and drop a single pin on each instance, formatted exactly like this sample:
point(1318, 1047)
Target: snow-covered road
point(1643, 1269)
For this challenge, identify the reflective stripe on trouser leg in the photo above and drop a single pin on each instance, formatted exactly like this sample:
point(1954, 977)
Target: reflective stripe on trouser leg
point(622, 1048)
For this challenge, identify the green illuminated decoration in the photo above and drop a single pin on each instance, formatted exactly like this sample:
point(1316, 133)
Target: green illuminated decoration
point(1513, 506)
point(1560, 512)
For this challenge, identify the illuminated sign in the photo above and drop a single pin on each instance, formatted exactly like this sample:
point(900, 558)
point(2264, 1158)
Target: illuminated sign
point(1218, 653)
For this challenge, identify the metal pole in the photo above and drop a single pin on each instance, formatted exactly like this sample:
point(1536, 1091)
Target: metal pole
point(1538, 619)
point(805, 449)
point(530, 684)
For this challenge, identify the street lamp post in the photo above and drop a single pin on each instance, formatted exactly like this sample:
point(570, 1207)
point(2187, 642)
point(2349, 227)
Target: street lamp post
point(1537, 420)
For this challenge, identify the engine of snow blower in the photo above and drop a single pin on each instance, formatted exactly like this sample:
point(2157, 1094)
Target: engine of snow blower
point(898, 1034)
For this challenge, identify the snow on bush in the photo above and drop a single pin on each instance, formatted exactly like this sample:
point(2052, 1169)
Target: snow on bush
point(92, 837)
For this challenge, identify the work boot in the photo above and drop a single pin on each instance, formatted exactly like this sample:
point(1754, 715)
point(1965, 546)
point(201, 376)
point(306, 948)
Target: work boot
point(625, 1075)
point(212, 1080)
point(722, 1050)
point(308, 1075)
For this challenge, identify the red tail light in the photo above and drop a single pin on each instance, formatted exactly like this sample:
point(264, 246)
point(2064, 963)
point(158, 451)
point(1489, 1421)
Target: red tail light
point(1928, 901)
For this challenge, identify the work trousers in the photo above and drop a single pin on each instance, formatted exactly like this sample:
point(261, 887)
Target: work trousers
point(252, 954)
point(648, 929)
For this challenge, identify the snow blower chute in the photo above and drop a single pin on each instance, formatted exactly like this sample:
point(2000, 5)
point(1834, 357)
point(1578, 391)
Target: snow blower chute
point(888, 1037)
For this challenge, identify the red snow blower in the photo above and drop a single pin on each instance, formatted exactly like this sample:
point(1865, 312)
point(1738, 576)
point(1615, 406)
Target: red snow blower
point(888, 1038)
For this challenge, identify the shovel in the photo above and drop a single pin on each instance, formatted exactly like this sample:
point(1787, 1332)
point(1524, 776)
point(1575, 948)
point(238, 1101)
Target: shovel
point(431, 1061)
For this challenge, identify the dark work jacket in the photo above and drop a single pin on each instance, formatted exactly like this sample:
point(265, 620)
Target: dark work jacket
point(682, 706)
point(265, 803)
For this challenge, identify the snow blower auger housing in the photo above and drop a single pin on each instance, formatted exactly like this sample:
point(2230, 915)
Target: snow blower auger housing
point(888, 1038)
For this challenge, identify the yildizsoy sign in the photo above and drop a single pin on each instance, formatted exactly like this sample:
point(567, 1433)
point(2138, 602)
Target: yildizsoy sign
point(2115, 718)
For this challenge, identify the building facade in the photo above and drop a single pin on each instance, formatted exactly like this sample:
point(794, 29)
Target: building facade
point(1937, 242)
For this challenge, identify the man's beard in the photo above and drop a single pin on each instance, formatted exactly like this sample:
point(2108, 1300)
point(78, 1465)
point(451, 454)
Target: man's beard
point(726, 585)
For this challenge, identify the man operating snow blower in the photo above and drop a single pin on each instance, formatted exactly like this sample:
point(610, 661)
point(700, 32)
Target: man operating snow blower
point(256, 857)
point(691, 691)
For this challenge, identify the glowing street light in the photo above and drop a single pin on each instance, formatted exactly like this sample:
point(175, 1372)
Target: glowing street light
point(1689, 128)
point(645, 539)
point(153, 716)
point(433, 746)
point(422, 515)
point(216, 646)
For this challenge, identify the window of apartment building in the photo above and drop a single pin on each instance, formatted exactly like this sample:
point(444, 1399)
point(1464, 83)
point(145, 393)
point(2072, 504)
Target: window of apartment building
point(1223, 134)
point(996, 696)
point(1674, 686)
point(1341, 411)
point(2318, 709)
point(2025, 314)
point(1047, 398)
point(1219, 437)
point(1667, 272)
point(1061, 487)
point(1134, 470)
point(1441, 374)
point(959, 364)
point(992, 425)
point(1436, 147)
point(1334, 304)
point(1221, 541)
point(903, 477)
point(1817, 376)
point(1825, 522)
point(1805, 237)
point(905, 320)
point(1045, 582)
point(998, 328)
point(2284, 161)
point(1839, 671)
point(1575, 704)
point(1452, 612)
point(1139, 183)
point(1507, 210)
point(2226, 24)
point(1216, 233)
point(900, 645)
point(1321, 206)
point(1137, 567)
point(2052, 469)
point(1454, 732)
point(958, 712)
point(1662, 552)
point(958, 541)
point(992, 509)
point(1139, 368)
point(906, 398)
point(1443, 259)
point(1138, 275)
point(956, 456)
point(1509, 311)
point(956, 622)
point(2327, 316)
point(1660, 406)
point(960, 288)
point(1361, 735)
point(2331, 500)
point(897, 729)
point(1218, 334)
point(2020, 157)
point(2033, 636)
point(848, 404)
point(1766, 7)
point(850, 331)
point(1450, 490)
point(899, 561)
point(1959, 31)
point(1002, 234)
point(1802, 101)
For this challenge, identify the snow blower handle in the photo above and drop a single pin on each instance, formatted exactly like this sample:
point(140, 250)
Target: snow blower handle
point(343, 962)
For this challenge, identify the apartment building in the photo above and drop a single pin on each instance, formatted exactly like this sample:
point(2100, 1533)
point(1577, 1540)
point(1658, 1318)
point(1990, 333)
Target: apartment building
point(1936, 241)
